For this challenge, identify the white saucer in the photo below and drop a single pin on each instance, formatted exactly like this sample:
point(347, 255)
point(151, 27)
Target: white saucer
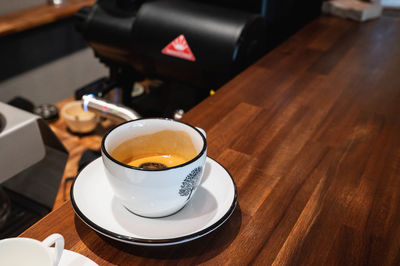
point(70, 258)
point(213, 203)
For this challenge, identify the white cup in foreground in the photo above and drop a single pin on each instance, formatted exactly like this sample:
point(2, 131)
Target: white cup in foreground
point(154, 165)
point(28, 251)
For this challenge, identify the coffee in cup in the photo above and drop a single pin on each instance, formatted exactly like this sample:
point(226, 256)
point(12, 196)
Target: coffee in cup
point(154, 165)
point(163, 149)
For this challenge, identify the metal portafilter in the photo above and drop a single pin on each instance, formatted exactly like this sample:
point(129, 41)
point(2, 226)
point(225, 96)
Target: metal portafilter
point(112, 111)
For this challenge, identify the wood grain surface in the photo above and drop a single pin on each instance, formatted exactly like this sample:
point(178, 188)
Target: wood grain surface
point(76, 144)
point(311, 135)
point(40, 15)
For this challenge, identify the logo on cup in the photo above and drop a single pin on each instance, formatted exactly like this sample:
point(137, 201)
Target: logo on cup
point(190, 182)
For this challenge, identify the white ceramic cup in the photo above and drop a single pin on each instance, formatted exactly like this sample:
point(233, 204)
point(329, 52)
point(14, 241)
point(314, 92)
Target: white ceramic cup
point(160, 192)
point(28, 251)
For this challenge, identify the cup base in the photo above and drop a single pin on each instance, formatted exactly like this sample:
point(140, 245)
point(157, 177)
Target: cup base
point(155, 216)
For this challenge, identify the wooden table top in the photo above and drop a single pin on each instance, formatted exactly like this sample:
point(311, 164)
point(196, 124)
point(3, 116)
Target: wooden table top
point(38, 16)
point(311, 135)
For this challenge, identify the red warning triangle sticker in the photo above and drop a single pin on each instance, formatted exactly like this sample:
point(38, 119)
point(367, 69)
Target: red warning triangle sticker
point(179, 48)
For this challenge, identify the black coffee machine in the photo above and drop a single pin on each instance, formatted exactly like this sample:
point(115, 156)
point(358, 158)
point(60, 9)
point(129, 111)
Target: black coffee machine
point(189, 46)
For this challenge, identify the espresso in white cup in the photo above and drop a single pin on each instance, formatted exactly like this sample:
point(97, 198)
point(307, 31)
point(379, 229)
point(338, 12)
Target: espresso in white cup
point(28, 251)
point(154, 165)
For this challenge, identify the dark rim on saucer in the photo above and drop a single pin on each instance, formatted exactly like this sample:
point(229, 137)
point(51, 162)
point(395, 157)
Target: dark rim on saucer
point(156, 242)
point(203, 150)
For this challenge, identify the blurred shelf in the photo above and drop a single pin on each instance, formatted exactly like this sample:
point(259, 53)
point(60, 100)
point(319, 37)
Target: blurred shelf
point(38, 16)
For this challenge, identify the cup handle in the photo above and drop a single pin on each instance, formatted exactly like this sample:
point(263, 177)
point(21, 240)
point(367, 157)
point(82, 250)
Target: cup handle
point(58, 240)
point(202, 132)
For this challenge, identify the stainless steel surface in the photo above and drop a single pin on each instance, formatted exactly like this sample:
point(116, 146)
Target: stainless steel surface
point(32, 159)
point(2, 122)
point(114, 112)
point(32, 162)
point(21, 144)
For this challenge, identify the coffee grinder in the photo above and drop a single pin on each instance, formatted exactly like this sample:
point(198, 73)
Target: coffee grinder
point(189, 48)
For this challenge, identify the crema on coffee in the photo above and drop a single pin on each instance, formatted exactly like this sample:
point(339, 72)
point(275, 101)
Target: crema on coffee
point(159, 150)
